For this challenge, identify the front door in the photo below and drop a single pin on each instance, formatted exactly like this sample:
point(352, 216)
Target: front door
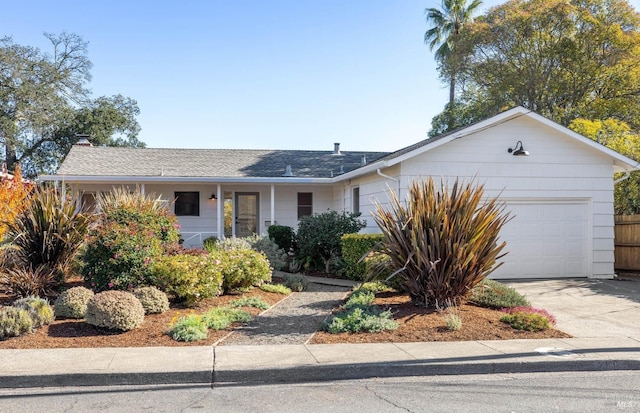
point(246, 219)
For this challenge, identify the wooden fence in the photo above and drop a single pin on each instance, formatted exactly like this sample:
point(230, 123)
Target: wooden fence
point(627, 240)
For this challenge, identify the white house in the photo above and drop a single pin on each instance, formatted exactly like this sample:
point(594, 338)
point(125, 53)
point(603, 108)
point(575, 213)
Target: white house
point(557, 183)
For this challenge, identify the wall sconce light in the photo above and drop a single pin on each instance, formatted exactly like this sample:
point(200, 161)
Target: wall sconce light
point(518, 150)
point(213, 197)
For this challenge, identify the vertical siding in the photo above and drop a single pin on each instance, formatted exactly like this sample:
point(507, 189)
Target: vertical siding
point(558, 167)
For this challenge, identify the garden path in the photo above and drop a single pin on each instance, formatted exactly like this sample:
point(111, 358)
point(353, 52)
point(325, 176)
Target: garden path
point(291, 321)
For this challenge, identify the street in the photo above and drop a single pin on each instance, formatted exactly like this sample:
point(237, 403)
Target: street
point(540, 392)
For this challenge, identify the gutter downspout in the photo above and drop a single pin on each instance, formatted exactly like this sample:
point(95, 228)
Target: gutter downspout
point(626, 175)
point(397, 181)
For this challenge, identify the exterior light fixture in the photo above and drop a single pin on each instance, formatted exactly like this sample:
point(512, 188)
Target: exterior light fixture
point(213, 197)
point(518, 150)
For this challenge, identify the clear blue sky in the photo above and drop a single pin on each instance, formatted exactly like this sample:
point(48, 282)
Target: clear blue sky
point(260, 74)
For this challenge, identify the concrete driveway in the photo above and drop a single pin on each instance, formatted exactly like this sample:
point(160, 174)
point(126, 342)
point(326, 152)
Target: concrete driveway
point(588, 308)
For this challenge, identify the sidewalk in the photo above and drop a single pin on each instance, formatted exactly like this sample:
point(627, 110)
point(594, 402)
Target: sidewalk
point(245, 365)
point(601, 315)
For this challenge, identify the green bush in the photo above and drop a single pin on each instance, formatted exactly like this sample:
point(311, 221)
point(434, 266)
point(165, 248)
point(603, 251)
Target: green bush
point(189, 328)
point(493, 294)
point(526, 321)
point(378, 267)
point(318, 237)
point(360, 298)
point(115, 310)
point(220, 318)
point(277, 257)
point(358, 319)
point(153, 300)
point(276, 288)
point(190, 278)
point(453, 321)
point(49, 232)
point(444, 240)
point(14, 322)
point(282, 235)
point(39, 309)
point(243, 268)
point(26, 281)
point(209, 242)
point(296, 282)
point(372, 286)
point(257, 302)
point(72, 303)
point(354, 248)
point(133, 230)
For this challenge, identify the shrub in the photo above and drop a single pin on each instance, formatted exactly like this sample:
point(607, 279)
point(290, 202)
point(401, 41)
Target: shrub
point(228, 244)
point(257, 302)
point(318, 237)
point(72, 303)
point(277, 256)
point(296, 282)
point(209, 242)
point(189, 328)
point(14, 198)
point(39, 309)
point(243, 268)
point(357, 319)
point(531, 310)
point(153, 300)
point(373, 286)
point(14, 322)
point(526, 321)
point(190, 278)
point(354, 248)
point(220, 318)
point(360, 298)
point(49, 231)
point(282, 235)
point(25, 281)
point(276, 288)
point(378, 267)
point(445, 241)
point(133, 230)
point(493, 294)
point(115, 310)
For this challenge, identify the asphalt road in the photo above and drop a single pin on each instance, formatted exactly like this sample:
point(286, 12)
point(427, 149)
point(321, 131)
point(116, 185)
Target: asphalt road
point(540, 392)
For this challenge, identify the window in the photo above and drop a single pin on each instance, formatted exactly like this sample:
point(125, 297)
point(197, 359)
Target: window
point(355, 200)
point(187, 203)
point(305, 204)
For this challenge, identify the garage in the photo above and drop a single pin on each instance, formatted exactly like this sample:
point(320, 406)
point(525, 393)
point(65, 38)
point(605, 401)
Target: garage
point(546, 239)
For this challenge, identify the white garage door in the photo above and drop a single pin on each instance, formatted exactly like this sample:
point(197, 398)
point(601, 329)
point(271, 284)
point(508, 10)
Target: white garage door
point(546, 239)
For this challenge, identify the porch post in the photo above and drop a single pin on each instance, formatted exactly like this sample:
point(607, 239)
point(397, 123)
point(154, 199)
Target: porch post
point(220, 213)
point(273, 204)
point(142, 191)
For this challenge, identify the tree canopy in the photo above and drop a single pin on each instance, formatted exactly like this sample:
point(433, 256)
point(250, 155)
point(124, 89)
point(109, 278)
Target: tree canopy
point(45, 102)
point(562, 59)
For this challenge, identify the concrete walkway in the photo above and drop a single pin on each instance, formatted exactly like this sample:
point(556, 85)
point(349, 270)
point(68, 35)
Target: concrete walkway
point(602, 316)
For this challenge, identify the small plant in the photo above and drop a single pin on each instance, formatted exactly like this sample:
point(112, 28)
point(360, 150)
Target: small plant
point(39, 309)
point(360, 298)
point(25, 281)
point(256, 302)
point(153, 300)
point(453, 321)
point(526, 321)
point(115, 310)
point(276, 288)
point(493, 294)
point(228, 244)
point(189, 328)
point(14, 322)
point(209, 242)
point(72, 303)
point(296, 282)
point(220, 318)
point(358, 319)
point(373, 286)
point(531, 310)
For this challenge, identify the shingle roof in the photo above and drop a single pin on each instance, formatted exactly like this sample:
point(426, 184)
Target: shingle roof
point(117, 161)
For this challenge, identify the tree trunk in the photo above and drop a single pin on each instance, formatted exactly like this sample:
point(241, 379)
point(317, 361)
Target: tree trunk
point(10, 156)
point(452, 89)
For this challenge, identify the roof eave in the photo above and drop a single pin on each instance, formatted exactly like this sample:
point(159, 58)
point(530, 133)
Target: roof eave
point(181, 179)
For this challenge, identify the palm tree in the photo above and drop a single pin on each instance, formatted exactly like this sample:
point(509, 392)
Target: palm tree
point(447, 24)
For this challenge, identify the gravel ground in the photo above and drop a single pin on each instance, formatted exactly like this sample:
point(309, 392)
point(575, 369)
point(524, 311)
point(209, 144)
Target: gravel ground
point(291, 321)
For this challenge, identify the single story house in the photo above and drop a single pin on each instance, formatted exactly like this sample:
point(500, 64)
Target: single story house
point(557, 183)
